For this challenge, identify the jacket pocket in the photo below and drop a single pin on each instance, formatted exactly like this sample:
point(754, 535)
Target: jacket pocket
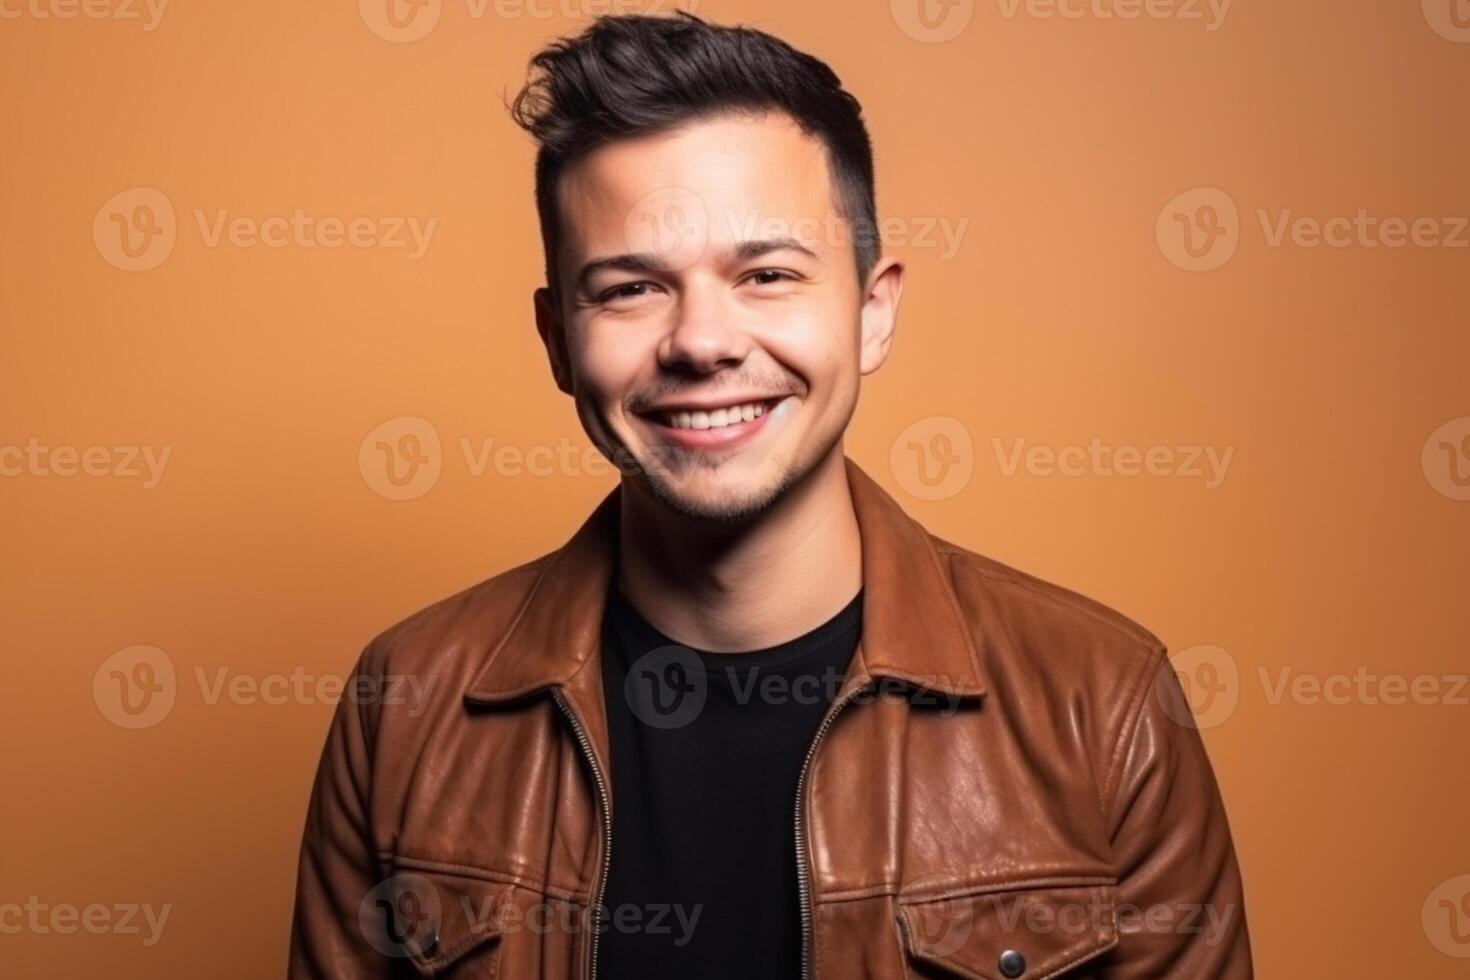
point(1024, 930)
point(437, 919)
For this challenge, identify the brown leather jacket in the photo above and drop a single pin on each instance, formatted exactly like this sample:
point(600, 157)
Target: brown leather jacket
point(1006, 786)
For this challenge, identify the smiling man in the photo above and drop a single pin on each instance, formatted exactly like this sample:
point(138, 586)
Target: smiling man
point(751, 720)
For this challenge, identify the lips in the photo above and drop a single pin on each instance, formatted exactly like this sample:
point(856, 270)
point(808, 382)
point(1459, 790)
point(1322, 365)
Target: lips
point(714, 418)
point(713, 426)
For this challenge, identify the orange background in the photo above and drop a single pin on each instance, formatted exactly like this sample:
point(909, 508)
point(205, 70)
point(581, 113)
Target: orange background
point(266, 549)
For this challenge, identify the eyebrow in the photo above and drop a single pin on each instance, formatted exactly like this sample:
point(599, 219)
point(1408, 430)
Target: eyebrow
point(648, 262)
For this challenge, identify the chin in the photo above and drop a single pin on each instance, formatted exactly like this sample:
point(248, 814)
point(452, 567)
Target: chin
point(706, 498)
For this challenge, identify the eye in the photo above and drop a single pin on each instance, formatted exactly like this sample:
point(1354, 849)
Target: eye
point(624, 291)
point(769, 277)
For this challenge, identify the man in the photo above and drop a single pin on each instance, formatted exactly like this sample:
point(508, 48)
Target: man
point(751, 720)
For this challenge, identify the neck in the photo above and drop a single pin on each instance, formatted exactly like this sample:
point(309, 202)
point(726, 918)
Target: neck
point(775, 577)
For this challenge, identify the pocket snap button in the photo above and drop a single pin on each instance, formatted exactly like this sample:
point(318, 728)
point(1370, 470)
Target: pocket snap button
point(1012, 964)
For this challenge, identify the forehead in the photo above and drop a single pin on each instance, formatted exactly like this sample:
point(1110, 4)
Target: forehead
point(722, 179)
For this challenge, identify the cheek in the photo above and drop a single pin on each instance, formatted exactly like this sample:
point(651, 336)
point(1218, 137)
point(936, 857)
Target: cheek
point(818, 342)
point(605, 361)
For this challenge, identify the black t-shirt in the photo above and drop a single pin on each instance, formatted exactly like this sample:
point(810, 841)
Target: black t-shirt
point(706, 752)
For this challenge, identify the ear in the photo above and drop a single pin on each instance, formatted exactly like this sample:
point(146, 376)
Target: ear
point(883, 292)
point(549, 326)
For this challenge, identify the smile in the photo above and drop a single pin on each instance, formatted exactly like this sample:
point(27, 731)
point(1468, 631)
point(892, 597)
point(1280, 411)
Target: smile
point(722, 427)
point(717, 418)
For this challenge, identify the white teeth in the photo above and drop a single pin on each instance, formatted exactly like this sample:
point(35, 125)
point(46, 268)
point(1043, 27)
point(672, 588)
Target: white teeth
point(717, 419)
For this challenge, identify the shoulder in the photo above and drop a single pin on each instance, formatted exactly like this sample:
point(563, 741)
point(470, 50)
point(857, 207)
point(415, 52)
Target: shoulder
point(1036, 634)
point(443, 644)
point(1065, 670)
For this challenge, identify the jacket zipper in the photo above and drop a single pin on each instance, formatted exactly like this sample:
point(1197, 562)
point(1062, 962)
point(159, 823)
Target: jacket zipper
point(595, 912)
point(803, 878)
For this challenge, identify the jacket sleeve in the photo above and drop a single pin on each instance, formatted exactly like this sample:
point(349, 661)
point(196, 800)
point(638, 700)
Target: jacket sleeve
point(1181, 911)
point(338, 867)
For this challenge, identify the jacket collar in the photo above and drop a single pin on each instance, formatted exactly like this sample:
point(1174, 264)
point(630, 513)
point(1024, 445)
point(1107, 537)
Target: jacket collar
point(912, 627)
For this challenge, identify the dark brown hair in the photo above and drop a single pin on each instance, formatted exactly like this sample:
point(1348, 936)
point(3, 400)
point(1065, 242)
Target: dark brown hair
point(632, 75)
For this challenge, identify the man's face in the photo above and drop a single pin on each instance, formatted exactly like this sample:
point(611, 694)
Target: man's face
point(709, 320)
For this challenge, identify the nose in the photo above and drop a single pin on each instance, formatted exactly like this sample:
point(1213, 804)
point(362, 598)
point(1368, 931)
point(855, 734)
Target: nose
point(704, 335)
